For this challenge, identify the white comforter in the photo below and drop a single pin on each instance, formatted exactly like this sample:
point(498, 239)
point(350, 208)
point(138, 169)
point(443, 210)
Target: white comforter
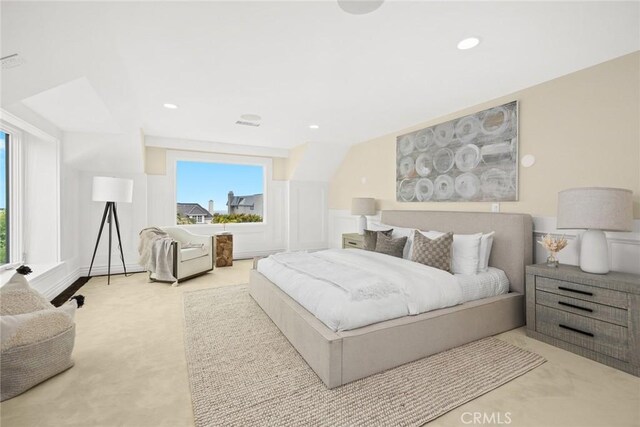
point(348, 289)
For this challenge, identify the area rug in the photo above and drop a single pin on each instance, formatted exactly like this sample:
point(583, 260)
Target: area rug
point(243, 371)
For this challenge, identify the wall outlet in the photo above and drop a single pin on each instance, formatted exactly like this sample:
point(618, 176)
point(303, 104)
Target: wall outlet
point(495, 207)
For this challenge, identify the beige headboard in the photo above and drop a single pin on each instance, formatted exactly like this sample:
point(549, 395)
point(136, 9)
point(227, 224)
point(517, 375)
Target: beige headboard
point(512, 244)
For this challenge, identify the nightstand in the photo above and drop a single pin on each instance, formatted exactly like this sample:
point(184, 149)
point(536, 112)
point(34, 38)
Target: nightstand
point(593, 315)
point(352, 240)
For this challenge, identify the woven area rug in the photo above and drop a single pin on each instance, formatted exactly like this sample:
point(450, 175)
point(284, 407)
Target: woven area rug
point(243, 371)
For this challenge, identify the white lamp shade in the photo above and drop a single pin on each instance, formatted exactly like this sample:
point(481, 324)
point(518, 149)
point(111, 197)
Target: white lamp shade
point(363, 206)
point(108, 189)
point(608, 209)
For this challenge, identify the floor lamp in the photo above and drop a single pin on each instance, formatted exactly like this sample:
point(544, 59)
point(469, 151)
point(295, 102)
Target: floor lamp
point(111, 191)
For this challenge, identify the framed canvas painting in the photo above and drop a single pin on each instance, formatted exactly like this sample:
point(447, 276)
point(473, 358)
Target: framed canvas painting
point(470, 159)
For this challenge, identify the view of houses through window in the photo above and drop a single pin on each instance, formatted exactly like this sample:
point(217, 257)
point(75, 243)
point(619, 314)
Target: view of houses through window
point(4, 198)
point(219, 193)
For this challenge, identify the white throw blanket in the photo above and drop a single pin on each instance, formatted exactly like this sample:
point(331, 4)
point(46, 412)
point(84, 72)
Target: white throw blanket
point(156, 253)
point(358, 283)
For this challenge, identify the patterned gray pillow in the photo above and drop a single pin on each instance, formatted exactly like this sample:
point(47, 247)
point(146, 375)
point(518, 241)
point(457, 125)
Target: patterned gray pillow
point(390, 246)
point(434, 253)
point(370, 238)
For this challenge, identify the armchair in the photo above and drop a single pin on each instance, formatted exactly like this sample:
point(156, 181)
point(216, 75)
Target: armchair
point(193, 254)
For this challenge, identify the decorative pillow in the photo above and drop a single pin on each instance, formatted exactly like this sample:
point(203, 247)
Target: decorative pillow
point(390, 246)
point(486, 242)
point(433, 252)
point(465, 255)
point(399, 232)
point(17, 297)
point(371, 236)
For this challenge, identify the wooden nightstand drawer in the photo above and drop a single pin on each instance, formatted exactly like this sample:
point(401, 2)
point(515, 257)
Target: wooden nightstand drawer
point(602, 337)
point(583, 308)
point(353, 240)
point(583, 292)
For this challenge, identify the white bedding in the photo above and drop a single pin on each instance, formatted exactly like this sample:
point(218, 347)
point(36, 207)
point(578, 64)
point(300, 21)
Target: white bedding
point(380, 288)
point(483, 285)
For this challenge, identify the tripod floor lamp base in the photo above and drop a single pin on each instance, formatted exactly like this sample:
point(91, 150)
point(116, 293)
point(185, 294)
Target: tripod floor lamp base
point(110, 214)
point(110, 190)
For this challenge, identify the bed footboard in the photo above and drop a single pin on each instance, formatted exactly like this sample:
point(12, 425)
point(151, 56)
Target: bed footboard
point(341, 357)
point(317, 344)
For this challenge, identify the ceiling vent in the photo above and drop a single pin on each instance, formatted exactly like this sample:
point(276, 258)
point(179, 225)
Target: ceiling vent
point(11, 61)
point(245, 123)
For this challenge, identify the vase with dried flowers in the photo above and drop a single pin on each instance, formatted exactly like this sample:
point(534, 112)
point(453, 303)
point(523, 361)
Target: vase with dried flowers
point(553, 245)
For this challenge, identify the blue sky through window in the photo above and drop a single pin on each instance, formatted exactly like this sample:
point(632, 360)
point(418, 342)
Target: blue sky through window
point(199, 182)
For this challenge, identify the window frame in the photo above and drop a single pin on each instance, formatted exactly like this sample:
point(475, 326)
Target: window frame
point(15, 193)
point(173, 157)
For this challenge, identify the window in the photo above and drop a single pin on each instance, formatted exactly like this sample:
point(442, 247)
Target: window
point(219, 193)
point(4, 198)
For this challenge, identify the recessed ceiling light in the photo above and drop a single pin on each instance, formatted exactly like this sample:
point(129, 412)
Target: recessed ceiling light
point(468, 43)
point(359, 7)
point(251, 117)
point(170, 106)
point(314, 127)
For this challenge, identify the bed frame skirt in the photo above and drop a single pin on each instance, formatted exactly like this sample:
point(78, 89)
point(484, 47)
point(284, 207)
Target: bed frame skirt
point(341, 357)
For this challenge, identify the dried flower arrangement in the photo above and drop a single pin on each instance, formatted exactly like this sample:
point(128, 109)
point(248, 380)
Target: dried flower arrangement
point(553, 244)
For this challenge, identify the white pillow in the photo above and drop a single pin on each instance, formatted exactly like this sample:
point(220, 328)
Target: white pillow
point(485, 251)
point(466, 251)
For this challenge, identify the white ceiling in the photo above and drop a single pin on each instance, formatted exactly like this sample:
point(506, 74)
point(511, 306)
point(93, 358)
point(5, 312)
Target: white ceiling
point(300, 63)
point(74, 106)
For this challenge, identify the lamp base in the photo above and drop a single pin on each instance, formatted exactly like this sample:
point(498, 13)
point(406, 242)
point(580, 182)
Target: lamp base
point(362, 224)
point(594, 252)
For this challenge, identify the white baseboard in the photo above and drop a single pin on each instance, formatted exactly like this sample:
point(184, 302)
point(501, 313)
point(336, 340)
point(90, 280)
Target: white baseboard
point(63, 284)
point(54, 280)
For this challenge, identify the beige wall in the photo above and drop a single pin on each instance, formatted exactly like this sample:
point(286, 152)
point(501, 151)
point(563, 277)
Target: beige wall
point(155, 161)
point(295, 155)
point(583, 129)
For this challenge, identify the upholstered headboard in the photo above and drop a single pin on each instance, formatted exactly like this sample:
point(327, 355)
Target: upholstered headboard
point(512, 244)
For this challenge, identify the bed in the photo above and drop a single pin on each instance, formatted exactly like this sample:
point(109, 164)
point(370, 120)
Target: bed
point(339, 357)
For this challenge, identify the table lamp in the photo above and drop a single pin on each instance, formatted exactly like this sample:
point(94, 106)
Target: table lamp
point(595, 209)
point(363, 206)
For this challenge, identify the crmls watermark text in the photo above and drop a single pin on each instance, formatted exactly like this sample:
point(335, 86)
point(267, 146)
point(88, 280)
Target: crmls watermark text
point(480, 418)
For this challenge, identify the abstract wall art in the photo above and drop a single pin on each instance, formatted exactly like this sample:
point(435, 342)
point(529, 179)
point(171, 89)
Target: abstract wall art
point(470, 159)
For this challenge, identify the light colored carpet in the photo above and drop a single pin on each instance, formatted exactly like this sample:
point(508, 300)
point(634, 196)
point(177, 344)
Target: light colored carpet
point(243, 371)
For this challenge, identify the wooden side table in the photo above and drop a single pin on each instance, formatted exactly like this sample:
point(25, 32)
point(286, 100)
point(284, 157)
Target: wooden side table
point(593, 315)
point(224, 250)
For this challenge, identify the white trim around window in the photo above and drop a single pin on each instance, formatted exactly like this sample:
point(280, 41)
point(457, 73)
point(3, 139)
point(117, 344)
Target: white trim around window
point(16, 194)
point(173, 157)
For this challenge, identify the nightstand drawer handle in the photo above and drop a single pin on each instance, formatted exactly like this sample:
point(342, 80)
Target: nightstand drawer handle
point(562, 288)
point(575, 306)
point(575, 330)
point(352, 243)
